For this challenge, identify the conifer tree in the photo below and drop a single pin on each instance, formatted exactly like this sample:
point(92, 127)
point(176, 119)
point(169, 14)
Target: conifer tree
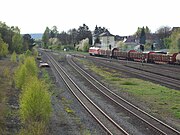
point(142, 39)
point(45, 37)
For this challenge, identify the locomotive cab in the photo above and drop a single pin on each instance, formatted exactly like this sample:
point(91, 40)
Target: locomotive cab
point(94, 51)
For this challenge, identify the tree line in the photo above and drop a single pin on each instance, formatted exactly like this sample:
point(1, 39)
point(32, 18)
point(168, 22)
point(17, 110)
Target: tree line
point(12, 41)
point(72, 37)
point(166, 37)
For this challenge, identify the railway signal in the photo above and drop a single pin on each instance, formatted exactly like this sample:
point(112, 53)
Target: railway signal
point(142, 47)
point(109, 47)
point(152, 47)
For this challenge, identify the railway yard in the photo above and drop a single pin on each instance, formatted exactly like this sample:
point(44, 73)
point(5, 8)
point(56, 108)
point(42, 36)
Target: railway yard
point(110, 77)
point(100, 106)
point(95, 95)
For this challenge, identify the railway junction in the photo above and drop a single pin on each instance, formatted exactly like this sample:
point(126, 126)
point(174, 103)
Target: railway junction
point(102, 107)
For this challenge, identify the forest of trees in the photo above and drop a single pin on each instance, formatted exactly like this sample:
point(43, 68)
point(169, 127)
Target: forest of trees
point(12, 41)
point(172, 42)
point(72, 37)
point(165, 37)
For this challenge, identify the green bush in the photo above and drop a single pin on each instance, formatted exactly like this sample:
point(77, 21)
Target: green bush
point(35, 103)
point(35, 53)
point(21, 58)
point(3, 48)
point(24, 71)
point(13, 57)
point(31, 66)
point(83, 45)
point(35, 100)
point(20, 76)
point(28, 53)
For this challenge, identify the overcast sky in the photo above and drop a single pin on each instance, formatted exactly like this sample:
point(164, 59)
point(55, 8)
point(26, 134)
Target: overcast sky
point(121, 17)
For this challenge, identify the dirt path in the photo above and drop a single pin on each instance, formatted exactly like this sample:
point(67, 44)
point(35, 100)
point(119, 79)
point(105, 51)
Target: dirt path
point(9, 120)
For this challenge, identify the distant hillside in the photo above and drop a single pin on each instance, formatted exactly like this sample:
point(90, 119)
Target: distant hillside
point(36, 35)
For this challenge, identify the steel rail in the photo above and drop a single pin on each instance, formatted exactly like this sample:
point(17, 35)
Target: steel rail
point(158, 78)
point(56, 66)
point(138, 66)
point(164, 66)
point(140, 110)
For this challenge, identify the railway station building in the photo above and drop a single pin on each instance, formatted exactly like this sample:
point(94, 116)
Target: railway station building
point(104, 40)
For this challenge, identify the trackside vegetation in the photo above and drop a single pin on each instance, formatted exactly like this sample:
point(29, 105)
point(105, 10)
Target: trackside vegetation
point(35, 99)
point(5, 89)
point(35, 102)
point(160, 100)
point(26, 70)
point(13, 57)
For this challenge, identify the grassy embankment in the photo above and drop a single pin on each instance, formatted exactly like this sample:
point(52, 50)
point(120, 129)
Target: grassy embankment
point(160, 99)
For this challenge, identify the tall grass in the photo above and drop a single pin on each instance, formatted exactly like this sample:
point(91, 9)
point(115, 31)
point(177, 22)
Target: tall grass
point(6, 72)
point(35, 128)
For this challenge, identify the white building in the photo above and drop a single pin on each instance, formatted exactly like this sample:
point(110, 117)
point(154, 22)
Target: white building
point(106, 39)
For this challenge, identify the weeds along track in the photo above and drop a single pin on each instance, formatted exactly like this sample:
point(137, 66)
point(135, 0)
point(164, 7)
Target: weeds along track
point(163, 70)
point(167, 70)
point(159, 126)
point(110, 126)
point(170, 67)
point(152, 76)
point(159, 67)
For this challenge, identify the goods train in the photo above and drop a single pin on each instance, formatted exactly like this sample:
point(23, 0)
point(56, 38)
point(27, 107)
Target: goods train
point(150, 57)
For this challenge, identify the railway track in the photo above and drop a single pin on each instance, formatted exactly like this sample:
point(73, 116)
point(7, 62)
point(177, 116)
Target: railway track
point(170, 71)
point(159, 126)
point(174, 67)
point(171, 82)
point(110, 126)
